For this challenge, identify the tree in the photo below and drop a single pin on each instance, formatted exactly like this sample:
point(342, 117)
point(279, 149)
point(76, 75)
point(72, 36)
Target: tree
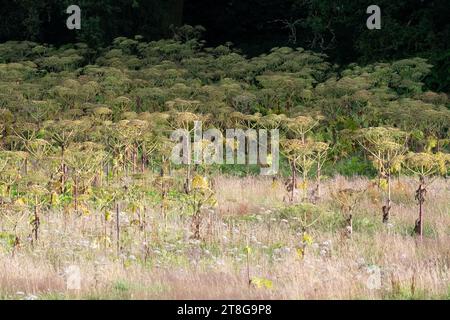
point(299, 154)
point(386, 147)
point(185, 120)
point(62, 134)
point(84, 160)
point(427, 166)
point(202, 197)
point(348, 199)
point(298, 150)
point(10, 164)
point(320, 154)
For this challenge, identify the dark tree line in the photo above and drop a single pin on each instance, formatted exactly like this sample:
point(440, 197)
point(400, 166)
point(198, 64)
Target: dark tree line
point(102, 21)
point(337, 28)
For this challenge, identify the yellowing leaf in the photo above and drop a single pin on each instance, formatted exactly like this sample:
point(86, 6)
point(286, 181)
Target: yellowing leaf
point(431, 143)
point(54, 199)
point(127, 263)
point(307, 239)
point(302, 185)
point(199, 182)
point(3, 191)
point(261, 283)
point(275, 184)
point(20, 202)
point(383, 184)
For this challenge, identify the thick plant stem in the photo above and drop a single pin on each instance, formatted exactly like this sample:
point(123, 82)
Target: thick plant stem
point(318, 181)
point(420, 197)
point(420, 221)
point(187, 183)
point(76, 194)
point(63, 171)
point(36, 221)
point(387, 207)
point(294, 181)
point(248, 267)
point(118, 228)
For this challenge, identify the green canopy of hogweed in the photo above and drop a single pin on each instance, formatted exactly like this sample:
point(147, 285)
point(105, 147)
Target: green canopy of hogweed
point(427, 164)
point(272, 121)
point(85, 157)
point(301, 125)
point(296, 147)
point(385, 146)
point(183, 120)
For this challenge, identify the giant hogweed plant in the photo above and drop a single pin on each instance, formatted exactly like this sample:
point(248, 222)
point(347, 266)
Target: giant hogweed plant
point(126, 102)
point(386, 148)
point(427, 167)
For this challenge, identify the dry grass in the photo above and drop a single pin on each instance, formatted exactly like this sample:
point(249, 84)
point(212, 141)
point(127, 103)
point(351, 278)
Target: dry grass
point(177, 267)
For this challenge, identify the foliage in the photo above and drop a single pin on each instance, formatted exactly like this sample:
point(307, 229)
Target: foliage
point(90, 135)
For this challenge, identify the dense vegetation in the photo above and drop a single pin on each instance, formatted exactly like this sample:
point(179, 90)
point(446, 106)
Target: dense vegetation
point(59, 106)
point(85, 133)
point(337, 28)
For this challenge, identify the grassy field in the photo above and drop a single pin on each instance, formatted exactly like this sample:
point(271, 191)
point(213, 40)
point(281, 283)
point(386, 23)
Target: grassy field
point(287, 251)
point(100, 199)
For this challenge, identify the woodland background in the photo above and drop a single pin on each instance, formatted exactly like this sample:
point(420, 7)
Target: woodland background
point(337, 28)
point(85, 176)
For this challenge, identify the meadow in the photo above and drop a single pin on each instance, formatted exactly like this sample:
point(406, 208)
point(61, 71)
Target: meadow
point(251, 214)
point(358, 210)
